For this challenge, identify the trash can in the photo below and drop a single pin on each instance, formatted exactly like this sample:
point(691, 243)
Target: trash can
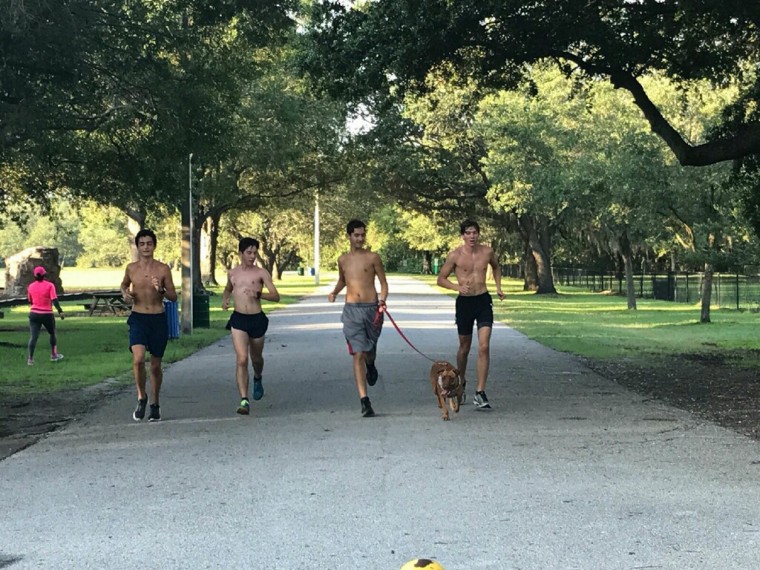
point(172, 318)
point(300, 271)
point(435, 265)
point(201, 317)
point(311, 271)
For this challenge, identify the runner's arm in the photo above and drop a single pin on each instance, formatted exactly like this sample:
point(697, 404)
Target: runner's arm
point(125, 283)
point(443, 274)
point(169, 290)
point(340, 284)
point(380, 272)
point(227, 292)
point(272, 294)
point(494, 261)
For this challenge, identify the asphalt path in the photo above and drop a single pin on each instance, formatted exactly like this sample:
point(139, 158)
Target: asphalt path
point(568, 471)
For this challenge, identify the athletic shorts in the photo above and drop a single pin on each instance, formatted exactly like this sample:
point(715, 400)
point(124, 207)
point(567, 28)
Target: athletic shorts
point(255, 325)
point(470, 309)
point(149, 330)
point(362, 325)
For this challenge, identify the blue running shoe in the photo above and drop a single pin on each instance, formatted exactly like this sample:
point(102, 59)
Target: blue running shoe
point(258, 389)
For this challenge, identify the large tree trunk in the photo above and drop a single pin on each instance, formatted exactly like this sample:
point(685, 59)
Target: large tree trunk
point(704, 316)
point(540, 245)
point(196, 245)
point(630, 288)
point(531, 271)
point(135, 222)
point(213, 222)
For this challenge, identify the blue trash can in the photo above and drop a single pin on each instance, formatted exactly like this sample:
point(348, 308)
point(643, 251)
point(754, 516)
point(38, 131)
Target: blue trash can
point(311, 271)
point(172, 318)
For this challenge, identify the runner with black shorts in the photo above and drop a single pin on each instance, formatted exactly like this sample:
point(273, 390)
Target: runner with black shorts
point(469, 262)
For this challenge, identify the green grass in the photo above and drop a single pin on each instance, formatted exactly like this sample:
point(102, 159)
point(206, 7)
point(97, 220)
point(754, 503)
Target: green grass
point(599, 326)
point(80, 279)
point(97, 347)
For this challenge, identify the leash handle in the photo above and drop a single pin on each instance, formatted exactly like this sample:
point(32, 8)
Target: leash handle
point(385, 310)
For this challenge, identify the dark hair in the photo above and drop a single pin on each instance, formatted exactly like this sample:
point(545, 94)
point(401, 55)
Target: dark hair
point(468, 224)
point(247, 242)
point(145, 232)
point(38, 277)
point(353, 224)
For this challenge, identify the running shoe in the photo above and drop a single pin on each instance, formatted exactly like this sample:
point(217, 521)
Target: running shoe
point(258, 389)
point(367, 410)
point(155, 413)
point(30, 361)
point(244, 408)
point(56, 357)
point(139, 412)
point(481, 401)
point(371, 374)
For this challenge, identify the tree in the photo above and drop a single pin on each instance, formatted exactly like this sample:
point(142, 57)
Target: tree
point(425, 233)
point(387, 48)
point(106, 99)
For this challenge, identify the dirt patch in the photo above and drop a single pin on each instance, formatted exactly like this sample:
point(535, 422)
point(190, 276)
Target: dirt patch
point(713, 386)
point(24, 419)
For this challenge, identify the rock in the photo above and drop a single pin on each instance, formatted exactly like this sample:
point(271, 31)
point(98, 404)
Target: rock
point(20, 267)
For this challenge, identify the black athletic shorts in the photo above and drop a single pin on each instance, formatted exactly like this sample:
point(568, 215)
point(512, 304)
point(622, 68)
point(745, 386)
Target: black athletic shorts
point(470, 309)
point(150, 330)
point(255, 325)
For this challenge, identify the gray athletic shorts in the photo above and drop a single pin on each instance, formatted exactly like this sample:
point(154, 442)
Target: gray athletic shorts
point(362, 325)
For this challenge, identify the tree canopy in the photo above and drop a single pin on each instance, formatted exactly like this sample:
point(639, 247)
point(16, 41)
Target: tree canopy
point(372, 50)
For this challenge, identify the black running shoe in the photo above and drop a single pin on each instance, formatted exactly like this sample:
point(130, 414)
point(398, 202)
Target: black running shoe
point(155, 413)
point(481, 401)
point(139, 412)
point(367, 410)
point(371, 374)
point(244, 408)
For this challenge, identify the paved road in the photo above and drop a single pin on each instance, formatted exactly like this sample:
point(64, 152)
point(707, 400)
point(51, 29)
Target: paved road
point(569, 471)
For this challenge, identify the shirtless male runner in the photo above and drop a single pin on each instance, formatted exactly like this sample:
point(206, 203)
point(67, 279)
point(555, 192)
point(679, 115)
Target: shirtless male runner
point(469, 263)
point(363, 312)
point(147, 282)
point(248, 324)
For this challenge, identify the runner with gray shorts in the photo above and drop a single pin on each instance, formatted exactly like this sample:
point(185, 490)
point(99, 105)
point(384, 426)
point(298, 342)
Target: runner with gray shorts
point(362, 325)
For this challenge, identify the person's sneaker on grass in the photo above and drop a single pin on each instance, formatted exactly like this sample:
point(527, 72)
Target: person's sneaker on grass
point(258, 388)
point(481, 401)
point(139, 412)
point(155, 413)
point(244, 408)
point(56, 357)
point(371, 374)
point(30, 361)
point(367, 410)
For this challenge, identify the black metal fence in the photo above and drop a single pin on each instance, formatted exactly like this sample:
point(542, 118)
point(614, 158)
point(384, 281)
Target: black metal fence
point(729, 290)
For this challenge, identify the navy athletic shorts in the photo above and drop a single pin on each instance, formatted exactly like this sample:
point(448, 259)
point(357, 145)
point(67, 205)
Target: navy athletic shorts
point(149, 330)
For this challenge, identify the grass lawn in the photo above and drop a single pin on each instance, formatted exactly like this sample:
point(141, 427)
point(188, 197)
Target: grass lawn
point(599, 326)
point(96, 347)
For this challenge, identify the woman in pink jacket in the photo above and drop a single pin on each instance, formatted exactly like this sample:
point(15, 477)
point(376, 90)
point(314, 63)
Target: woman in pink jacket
point(42, 296)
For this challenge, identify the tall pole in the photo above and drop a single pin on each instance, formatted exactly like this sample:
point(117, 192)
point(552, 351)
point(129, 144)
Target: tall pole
point(186, 320)
point(316, 238)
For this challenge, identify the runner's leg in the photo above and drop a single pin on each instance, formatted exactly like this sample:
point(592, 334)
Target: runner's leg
point(484, 356)
point(240, 343)
point(138, 368)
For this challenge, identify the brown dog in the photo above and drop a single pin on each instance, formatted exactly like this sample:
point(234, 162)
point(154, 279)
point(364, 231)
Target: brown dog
point(447, 385)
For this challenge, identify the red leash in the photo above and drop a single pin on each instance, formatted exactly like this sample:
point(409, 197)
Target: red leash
point(385, 310)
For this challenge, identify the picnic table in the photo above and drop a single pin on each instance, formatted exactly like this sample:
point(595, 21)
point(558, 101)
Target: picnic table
point(108, 303)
